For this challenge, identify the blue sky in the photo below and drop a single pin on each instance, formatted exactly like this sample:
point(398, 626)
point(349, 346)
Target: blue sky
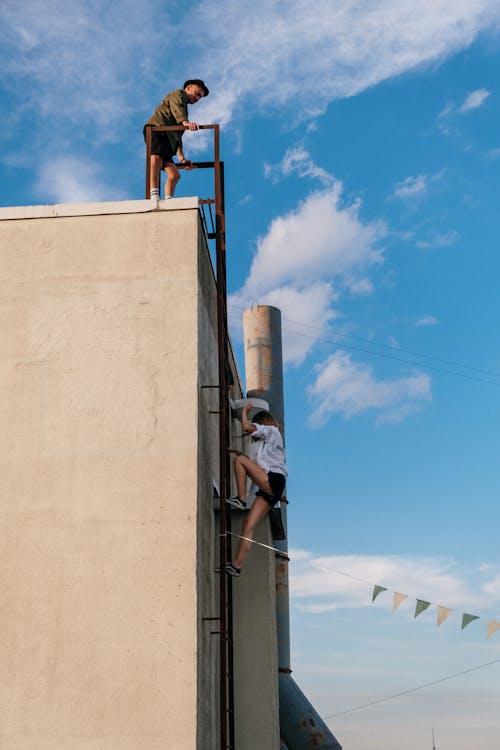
point(362, 155)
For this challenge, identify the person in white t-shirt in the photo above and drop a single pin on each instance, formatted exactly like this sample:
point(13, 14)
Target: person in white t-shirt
point(268, 472)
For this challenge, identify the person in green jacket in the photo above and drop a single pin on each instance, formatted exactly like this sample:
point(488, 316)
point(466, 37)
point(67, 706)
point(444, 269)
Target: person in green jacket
point(173, 110)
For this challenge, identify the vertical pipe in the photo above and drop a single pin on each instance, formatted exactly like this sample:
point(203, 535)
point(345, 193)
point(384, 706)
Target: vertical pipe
point(301, 727)
point(264, 379)
point(263, 357)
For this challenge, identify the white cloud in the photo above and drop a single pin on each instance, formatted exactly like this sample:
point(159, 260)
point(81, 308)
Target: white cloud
point(348, 388)
point(429, 320)
point(79, 62)
point(245, 200)
point(297, 160)
point(311, 305)
point(411, 186)
point(334, 50)
point(492, 588)
point(319, 584)
point(474, 100)
point(321, 237)
point(306, 258)
point(70, 180)
point(83, 73)
point(446, 239)
point(76, 61)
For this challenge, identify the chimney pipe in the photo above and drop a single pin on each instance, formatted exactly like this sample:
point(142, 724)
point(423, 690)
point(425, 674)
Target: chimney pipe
point(300, 724)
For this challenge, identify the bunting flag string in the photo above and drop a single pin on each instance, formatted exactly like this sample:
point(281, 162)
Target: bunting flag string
point(442, 612)
point(398, 598)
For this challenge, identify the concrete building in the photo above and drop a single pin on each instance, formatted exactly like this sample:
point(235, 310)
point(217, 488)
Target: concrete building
point(109, 460)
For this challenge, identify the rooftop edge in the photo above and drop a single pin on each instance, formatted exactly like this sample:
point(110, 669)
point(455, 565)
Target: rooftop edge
point(96, 209)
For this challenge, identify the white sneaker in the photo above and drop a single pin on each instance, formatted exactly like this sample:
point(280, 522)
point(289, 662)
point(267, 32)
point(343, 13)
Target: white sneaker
point(235, 502)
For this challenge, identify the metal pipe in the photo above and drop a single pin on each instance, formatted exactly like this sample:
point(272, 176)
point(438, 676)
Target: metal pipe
point(301, 728)
point(264, 379)
point(263, 357)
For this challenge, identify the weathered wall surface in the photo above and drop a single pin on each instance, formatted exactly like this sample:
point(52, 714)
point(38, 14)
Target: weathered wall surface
point(256, 658)
point(98, 478)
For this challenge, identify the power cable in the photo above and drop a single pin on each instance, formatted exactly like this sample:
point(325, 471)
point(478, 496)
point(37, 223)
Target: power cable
point(412, 690)
point(388, 697)
point(384, 346)
point(397, 348)
point(399, 359)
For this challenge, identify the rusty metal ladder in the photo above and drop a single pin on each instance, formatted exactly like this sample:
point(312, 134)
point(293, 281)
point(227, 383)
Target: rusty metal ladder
point(218, 233)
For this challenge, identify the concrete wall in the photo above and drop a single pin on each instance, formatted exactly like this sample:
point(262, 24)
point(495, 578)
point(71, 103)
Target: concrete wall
point(256, 652)
point(107, 450)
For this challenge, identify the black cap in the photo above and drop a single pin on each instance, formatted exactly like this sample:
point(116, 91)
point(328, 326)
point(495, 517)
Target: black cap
point(199, 83)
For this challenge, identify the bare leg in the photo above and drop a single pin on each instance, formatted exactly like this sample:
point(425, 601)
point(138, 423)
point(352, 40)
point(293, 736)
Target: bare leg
point(156, 163)
point(244, 467)
point(258, 511)
point(173, 177)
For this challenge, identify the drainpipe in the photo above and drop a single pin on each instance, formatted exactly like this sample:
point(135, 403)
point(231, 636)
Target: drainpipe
point(301, 727)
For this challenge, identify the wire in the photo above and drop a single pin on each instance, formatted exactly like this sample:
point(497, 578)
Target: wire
point(397, 348)
point(399, 359)
point(388, 697)
point(384, 346)
point(412, 690)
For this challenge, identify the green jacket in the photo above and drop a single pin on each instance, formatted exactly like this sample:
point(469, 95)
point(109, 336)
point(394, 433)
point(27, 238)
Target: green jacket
point(171, 111)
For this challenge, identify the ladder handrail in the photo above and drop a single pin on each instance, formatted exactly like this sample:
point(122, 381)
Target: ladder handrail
point(226, 667)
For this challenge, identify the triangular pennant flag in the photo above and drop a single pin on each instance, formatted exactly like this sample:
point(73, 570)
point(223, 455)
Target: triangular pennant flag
point(421, 607)
point(376, 591)
point(443, 614)
point(466, 619)
point(398, 598)
point(493, 626)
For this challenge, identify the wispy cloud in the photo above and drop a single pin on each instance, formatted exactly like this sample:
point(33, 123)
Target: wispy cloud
point(418, 186)
point(83, 74)
point(474, 100)
point(66, 179)
point(77, 56)
point(429, 320)
point(445, 239)
point(245, 200)
point(73, 60)
point(349, 388)
point(324, 583)
point(297, 160)
point(356, 45)
point(411, 186)
point(451, 112)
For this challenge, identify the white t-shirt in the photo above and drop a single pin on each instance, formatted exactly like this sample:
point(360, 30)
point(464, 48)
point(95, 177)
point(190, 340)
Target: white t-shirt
point(270, 452)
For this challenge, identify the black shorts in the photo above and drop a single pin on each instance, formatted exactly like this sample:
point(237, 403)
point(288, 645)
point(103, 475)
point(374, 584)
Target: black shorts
point(277, 482)
point(161, 145)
